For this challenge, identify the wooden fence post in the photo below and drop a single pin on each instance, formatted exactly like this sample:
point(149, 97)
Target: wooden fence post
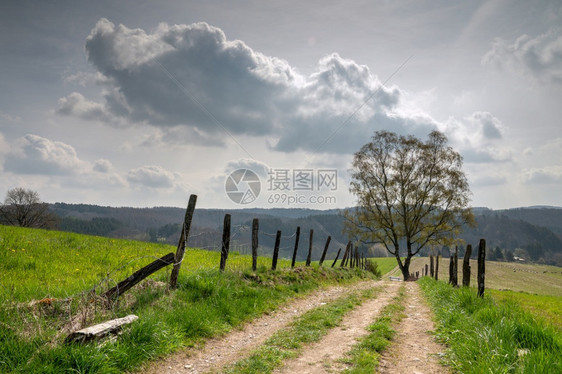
point(426, 268)
point(481, 266)
point(225, 241)
point(336, 259)
point(432, 267)
point(325, 250)
point(309, 256)
point(255, 230)
point(466, 266)
point(437, 267)
point(345, 254)
point(456, 267)
point(139, 275)
point(451, 266)
point(276, 250)
point(183, 240)
point(298, 234)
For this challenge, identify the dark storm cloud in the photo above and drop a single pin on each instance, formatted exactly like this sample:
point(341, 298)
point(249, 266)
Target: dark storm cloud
point(192, 76)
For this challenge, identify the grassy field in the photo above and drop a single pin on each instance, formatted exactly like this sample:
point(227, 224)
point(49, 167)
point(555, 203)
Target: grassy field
point(530, 278)
point(484, 336)
point(36, 264)
point(64, 268)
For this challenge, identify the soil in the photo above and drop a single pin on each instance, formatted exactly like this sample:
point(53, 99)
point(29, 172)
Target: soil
point(239, 343)
point(323, 356)
point(413, 349)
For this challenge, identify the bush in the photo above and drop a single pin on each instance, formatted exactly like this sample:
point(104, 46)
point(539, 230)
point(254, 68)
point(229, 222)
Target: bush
point(373, 267)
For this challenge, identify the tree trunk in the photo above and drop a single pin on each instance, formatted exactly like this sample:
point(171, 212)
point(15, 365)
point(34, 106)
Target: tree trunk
point(405, 267)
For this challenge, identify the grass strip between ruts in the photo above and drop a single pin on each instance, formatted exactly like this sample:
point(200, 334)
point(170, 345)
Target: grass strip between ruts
point(309, 328)
point(364, 355)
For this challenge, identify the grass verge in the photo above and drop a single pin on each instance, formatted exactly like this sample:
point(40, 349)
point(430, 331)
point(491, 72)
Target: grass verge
point(309, 328)
point(207, 303)
point(486, 337)
point(364, 356)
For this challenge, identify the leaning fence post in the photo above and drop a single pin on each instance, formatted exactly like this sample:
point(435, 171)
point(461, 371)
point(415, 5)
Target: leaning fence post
point(336, 259)
point(309, 256)
point(255, 229)
point(325, 250)
point(345, 254)
point(225, 241)
point(276, 250)
point(298, 234)
point(481, 266)
point(466, 266)
point(183, 240)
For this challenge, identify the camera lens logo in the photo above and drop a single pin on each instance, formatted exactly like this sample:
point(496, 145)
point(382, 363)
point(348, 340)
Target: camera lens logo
point(242, 186)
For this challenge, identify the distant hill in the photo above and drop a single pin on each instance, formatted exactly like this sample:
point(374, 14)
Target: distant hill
point(535, 232)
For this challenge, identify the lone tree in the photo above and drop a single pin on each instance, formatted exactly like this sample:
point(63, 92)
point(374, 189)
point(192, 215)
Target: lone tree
point(22, 207)
point(410, 193)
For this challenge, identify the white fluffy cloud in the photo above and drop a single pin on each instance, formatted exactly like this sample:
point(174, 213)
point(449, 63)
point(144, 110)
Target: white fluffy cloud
point(152, 176)
point(478, 137)
point(539, 57)
point(192, 76)
point(33, 154)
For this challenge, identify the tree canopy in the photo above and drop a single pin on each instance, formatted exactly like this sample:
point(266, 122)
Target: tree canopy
point(409, 192)
point(22, 207)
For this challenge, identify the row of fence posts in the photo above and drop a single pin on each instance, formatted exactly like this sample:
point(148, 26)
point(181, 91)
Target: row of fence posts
point(433, 271)
point(350, 258)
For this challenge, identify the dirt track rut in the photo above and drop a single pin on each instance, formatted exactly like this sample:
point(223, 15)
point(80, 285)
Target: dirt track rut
point(238, 343)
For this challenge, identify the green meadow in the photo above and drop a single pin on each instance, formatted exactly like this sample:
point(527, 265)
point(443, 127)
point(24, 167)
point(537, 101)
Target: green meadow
point(47, 283)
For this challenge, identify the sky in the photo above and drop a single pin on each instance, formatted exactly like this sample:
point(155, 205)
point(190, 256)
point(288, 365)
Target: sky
point(262, 104)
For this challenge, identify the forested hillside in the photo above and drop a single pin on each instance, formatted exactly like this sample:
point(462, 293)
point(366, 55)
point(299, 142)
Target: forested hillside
point(534, 234)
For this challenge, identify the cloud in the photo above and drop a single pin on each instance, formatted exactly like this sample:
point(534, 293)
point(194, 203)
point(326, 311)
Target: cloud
point(192, 77)
point(544, 175)
point(33, 154)
point(539, 57)
point(477, 138)
point(152, 176)
point(258, 167)
point(9, 118)
point(77, 105)
point(102, 166)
